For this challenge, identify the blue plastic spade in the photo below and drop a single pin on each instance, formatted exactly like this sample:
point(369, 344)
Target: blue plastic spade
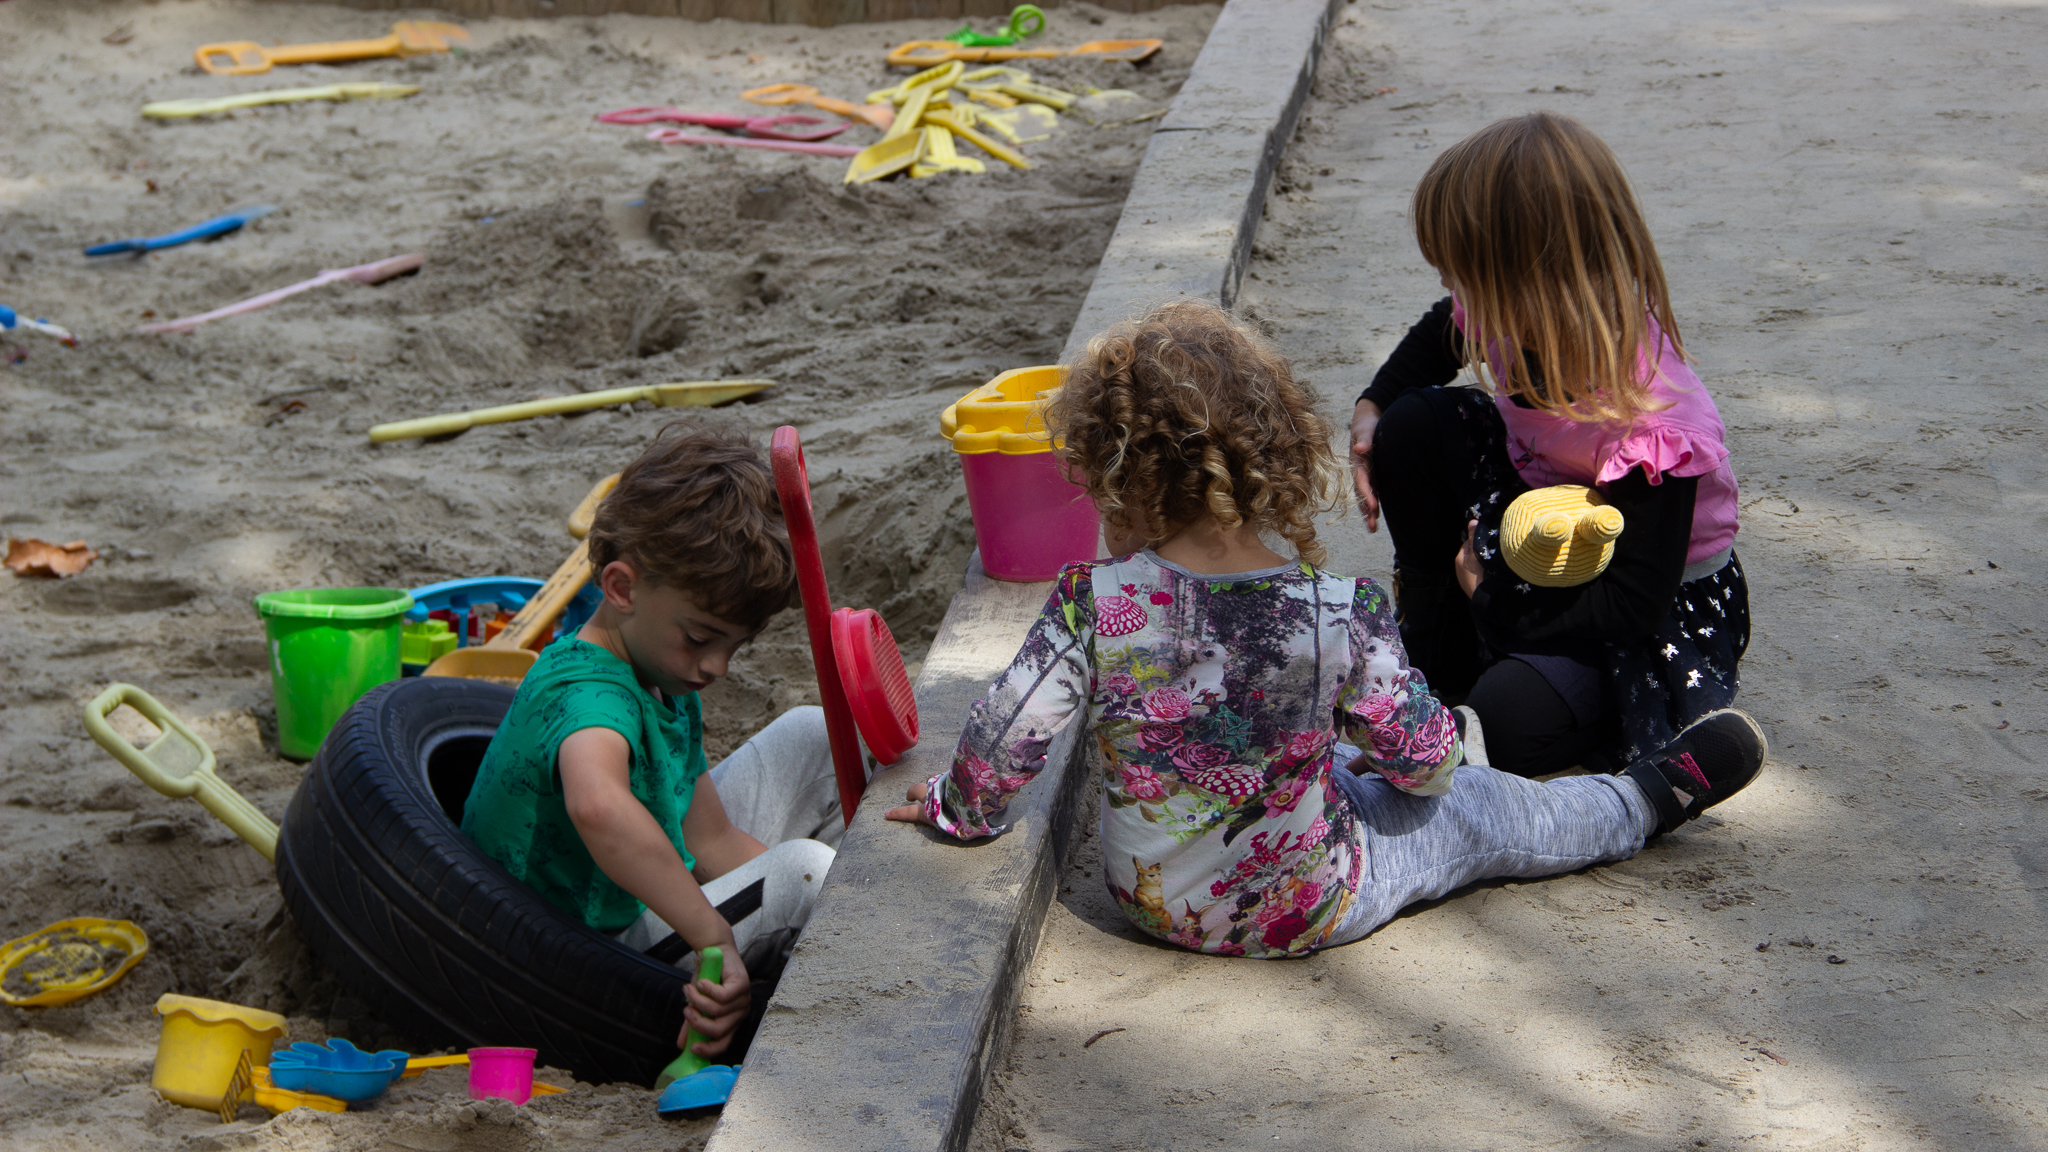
point(690, 1082)
point(218, 226)
point(706, 1089)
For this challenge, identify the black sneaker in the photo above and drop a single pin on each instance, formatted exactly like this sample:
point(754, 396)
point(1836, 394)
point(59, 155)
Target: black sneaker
point(1713, 759)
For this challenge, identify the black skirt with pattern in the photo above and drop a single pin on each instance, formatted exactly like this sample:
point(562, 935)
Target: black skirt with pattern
point(1658, 685)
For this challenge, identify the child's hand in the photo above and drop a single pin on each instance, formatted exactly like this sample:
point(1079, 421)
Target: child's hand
point(1467, 564)
point(717, 1010)
point(1365, 418)
point(912, 813)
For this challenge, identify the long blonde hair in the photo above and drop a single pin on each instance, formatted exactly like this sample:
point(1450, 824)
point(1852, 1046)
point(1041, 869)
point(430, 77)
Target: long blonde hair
point(1533, 222)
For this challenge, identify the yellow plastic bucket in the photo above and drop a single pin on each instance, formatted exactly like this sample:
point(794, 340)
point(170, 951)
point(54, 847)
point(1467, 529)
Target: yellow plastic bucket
point(200, 1044)
point(1029, 519)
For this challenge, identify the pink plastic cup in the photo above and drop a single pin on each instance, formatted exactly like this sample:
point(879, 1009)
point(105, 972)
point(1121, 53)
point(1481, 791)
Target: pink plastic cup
point(506, 1073)
point(1029, 520)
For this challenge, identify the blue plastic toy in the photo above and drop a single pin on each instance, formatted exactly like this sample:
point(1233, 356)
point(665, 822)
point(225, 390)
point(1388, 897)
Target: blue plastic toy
point(218, 226)
point(10, 321)
point(336, 1068)
point(708, 1088)
point(509, 592)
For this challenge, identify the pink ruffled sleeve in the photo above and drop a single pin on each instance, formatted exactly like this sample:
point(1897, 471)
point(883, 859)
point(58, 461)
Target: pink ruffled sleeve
point(1660, 449)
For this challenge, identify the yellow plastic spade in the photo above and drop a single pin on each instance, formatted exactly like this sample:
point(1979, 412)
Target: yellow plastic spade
point(1021, 123)
point(957, 123)
point(693, 394)
point(408, 38)
point(506, 657)
point(938, 79)
point(906, 143)
point(586, 512)
point(208, 105)
point(177, 763)
point(940, 156)
point(886, 158)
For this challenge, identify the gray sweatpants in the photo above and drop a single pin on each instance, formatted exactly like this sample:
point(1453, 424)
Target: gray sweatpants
point(778, 788)
point(1489, 824)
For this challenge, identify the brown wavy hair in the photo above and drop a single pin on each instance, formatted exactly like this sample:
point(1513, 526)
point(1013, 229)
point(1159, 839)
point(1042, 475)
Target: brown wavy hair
point(1532, 221)
point(1187, 412)
point(698, 510)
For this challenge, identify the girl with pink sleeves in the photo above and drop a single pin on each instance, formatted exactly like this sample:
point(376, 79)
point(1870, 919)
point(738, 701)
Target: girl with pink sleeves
point(1558, 302)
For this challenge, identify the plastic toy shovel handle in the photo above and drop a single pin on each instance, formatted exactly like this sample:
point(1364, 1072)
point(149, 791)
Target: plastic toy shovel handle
point(710, 966)
point(178, 763)
point(793, 485)
point(372, 273)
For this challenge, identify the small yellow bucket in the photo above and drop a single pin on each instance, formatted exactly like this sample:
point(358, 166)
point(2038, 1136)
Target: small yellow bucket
point(200, 1043)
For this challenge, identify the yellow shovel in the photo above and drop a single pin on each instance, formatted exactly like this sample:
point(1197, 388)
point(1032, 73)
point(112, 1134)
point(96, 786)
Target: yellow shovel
point(694, 394)
point(905, 143)
point(177, 763)
point(940, 156)
point(506, 657)
point(208, 105)
point(959, 123)
point(408, 38)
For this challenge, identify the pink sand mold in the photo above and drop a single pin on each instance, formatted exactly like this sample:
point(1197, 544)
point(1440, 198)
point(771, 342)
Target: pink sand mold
point(506, 1073)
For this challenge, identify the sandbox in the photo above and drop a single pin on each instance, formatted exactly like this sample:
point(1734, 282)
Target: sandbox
point(562, 256)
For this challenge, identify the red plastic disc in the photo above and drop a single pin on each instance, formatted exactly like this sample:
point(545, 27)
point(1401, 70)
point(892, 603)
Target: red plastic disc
point(877, 687)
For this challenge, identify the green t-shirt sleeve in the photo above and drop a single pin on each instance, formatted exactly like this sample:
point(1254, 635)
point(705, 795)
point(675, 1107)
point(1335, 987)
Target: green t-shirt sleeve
point(516, 811)
point(581, 704)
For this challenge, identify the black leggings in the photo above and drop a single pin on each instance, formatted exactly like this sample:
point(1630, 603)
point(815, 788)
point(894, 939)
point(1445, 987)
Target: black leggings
point(1529, 729)
point(1423, 471)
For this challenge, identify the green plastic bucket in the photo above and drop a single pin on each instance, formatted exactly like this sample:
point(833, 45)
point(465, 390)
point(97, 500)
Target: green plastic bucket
point(328, 646)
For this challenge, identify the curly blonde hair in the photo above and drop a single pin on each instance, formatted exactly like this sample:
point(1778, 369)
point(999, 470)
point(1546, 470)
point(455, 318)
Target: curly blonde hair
point(1187, 412)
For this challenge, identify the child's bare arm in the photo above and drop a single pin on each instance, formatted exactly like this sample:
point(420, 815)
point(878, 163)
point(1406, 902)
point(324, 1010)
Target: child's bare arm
point(716, 843)
point(630, 846)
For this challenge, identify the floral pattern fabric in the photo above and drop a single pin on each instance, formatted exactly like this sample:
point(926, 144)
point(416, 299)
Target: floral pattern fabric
point(1216, 702)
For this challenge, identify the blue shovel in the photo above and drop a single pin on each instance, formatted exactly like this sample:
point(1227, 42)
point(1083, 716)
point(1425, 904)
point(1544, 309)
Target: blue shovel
point(691, 1082)
point(218, 226)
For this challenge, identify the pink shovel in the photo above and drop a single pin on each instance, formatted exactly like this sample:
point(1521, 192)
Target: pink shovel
point(362, 274)
point(678, 136)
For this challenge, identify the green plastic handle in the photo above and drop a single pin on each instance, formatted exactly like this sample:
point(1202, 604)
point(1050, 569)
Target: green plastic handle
point(177, 763)
point(710, 967)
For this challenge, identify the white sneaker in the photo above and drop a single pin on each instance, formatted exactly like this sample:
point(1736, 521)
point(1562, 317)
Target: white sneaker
point(1472, 735)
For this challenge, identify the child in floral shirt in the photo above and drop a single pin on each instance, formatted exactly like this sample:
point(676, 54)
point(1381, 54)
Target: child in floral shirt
point(1216, 674)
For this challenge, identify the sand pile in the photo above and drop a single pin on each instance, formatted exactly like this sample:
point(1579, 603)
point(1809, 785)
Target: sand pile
point(562, 256)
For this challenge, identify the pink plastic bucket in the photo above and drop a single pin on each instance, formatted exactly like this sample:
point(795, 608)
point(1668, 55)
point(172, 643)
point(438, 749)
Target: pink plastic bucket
point(1028, 519)
point(506, 1073)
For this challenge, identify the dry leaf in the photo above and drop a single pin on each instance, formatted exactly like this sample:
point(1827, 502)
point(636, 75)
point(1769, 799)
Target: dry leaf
point(118, 36)
point(32, 557)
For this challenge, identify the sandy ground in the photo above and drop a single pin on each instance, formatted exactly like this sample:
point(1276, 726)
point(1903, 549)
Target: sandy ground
point(1848, 198)
point(561, 255)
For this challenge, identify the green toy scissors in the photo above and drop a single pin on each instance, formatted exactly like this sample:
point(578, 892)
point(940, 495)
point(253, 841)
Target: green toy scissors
point(1026, 21)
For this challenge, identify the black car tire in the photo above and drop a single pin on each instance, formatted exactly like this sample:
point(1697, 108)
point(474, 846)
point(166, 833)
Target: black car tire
point(440, 939)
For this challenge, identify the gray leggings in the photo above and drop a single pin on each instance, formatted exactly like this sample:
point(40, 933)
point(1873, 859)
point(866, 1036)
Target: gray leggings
point(778, 788)
point(1489, 824)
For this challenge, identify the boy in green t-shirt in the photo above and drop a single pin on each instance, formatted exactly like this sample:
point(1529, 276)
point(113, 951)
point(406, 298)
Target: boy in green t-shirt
point(594, 791)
